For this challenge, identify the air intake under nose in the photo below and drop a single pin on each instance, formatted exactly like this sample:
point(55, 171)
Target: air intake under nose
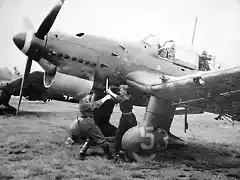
point(19, 40)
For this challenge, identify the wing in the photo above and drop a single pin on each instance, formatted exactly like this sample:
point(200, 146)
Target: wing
point(227, 104)
point(211, 91)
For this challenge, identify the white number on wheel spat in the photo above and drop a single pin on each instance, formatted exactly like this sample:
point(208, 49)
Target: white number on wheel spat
point(149, 135)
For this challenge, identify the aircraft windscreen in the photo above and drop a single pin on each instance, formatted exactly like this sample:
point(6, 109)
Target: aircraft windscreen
point(151, 41)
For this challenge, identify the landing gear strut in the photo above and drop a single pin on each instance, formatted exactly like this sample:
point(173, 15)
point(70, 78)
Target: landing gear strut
point(153, 135)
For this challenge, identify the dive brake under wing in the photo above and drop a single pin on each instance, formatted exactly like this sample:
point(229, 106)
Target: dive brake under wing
point(211, 91)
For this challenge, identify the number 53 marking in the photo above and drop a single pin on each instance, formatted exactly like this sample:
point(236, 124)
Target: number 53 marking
point(149, 135)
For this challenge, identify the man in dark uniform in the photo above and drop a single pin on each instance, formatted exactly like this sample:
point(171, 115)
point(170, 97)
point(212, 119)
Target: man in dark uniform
point(84, 128)
point(102, 116)
point(127, 120)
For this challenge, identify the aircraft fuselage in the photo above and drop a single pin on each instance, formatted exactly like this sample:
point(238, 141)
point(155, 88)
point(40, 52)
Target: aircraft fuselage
point(92, 57)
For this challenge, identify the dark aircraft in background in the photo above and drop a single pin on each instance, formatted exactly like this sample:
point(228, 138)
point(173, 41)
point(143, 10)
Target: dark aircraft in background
point(10, 84)
point(162, 78)
point(33, 91)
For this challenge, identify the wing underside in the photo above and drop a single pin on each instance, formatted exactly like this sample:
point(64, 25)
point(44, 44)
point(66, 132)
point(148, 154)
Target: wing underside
point(213, 91)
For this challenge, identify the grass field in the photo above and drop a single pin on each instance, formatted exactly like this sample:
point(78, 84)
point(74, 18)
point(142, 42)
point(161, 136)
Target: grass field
point(31, 147)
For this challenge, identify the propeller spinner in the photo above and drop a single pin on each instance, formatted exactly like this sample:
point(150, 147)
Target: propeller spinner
point(32, 44)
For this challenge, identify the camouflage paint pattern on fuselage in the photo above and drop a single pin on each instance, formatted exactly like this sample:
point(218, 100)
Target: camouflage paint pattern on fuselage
point(91, 56)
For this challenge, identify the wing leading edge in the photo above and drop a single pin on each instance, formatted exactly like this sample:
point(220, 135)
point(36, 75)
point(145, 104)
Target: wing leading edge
point(205, 90)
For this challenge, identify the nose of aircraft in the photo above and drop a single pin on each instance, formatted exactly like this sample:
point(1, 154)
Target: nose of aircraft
point(19, 40)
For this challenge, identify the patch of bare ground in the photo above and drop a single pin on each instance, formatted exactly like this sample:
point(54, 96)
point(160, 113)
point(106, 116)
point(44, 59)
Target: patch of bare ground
point(31, 147)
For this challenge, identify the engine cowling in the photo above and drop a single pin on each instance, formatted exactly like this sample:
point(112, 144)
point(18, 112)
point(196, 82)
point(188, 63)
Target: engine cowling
point(145, 140)
point(66, 84)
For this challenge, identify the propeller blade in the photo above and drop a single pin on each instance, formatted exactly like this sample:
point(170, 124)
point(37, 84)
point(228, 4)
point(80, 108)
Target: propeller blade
point(47, 23)
point(28, 24)
point(26, 73)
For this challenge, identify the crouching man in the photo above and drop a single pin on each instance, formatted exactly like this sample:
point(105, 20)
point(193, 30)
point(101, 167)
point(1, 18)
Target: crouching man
point(84, 128)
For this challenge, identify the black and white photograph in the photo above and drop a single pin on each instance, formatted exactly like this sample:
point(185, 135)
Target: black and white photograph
point(120, 90)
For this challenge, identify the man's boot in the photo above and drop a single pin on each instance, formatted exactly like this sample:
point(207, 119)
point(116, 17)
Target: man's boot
point(120, 155)
point(84, 149)
point(107, 151)
point(69, 141)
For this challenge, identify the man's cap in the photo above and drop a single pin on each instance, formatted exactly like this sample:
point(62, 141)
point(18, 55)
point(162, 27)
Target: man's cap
point(84, 106)
point(204, 52)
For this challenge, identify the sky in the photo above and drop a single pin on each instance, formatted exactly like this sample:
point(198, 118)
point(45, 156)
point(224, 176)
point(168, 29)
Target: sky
point(218, 26)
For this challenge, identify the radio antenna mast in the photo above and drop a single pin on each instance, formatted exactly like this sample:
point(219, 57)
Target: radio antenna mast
point(195, 25)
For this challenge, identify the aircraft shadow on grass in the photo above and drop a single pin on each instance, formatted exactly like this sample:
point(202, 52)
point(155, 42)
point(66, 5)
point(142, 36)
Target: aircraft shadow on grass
point(201, 156)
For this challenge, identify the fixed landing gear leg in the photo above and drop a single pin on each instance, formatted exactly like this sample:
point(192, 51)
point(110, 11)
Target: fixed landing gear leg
point(153, 135)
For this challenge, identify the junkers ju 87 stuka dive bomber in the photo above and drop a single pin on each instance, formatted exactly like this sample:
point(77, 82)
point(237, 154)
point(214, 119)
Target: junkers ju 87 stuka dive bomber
point(162, 78)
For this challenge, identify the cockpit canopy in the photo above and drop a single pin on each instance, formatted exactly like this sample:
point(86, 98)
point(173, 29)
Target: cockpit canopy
point(151, 41)
point(183, 55)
